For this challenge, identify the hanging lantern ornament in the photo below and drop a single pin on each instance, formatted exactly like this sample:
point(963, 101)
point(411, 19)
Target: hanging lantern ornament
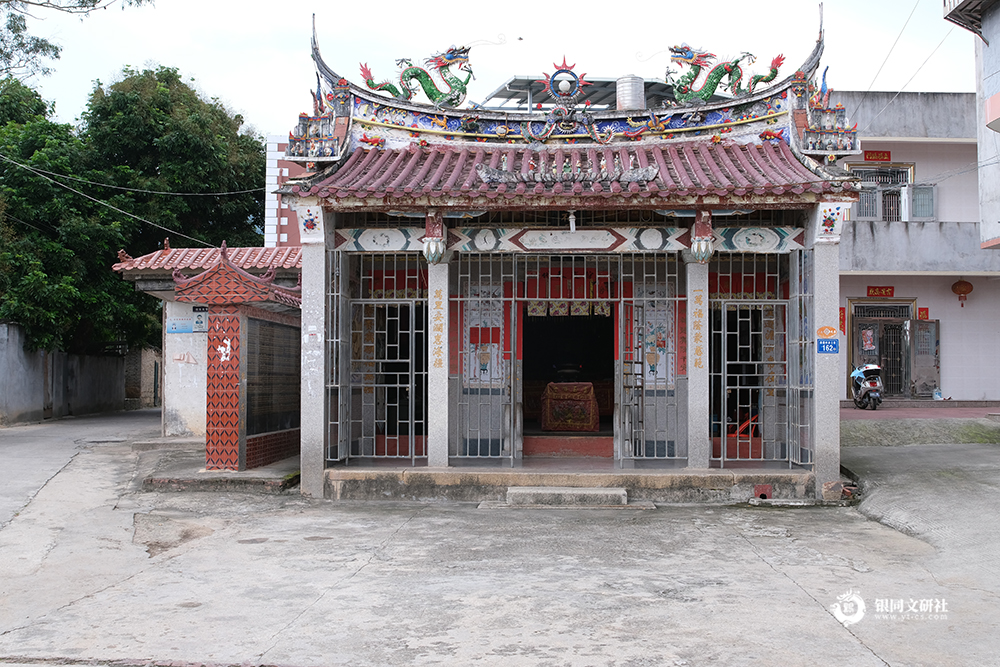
point(962, 288)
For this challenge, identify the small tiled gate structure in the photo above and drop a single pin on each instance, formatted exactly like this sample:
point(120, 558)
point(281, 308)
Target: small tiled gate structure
point(253, 351)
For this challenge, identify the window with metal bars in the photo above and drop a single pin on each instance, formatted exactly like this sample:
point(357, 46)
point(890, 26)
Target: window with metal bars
point(887, 194)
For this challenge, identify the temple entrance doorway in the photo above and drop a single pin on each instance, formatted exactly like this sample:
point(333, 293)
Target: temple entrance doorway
point(603, 334)
point(565, 360)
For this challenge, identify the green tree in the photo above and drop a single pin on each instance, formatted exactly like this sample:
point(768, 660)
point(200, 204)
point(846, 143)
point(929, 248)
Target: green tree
point(22, 54)
point(19, 104)
point(55, 248)
point(163, 137)
point(59, 234)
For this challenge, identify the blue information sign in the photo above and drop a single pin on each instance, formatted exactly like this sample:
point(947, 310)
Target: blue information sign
point(828, 345)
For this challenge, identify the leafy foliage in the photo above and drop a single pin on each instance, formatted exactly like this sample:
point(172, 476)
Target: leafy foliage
point(165, 138)
point(149, 132)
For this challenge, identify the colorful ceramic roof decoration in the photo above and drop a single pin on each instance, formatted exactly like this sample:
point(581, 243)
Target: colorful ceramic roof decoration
point(765, 141)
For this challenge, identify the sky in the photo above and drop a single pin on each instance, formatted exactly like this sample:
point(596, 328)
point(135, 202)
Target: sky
point(254, 55)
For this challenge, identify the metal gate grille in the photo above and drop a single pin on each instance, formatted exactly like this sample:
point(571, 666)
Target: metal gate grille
point(378, 344)
point(748, 370)
point(651, 335)
point(892, 357)
point(882, 203)
point(871, 310)
point(484, 321)
point(801, 359)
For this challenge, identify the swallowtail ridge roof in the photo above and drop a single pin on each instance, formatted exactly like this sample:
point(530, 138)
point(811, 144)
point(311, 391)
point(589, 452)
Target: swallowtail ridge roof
point(204, 258)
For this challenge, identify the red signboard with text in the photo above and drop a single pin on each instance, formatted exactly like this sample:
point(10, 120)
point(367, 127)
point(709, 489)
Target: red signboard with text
point(878, 156)
point(881, 290)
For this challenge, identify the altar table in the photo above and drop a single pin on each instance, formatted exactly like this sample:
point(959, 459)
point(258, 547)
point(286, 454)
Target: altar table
point(570, 406)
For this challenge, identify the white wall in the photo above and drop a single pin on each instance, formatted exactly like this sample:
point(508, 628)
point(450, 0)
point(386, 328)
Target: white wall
point(970, 336)
point(185, 359)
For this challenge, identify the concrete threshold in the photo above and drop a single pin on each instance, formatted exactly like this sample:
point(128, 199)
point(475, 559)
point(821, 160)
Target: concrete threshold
point(891, 403)
point(730, 486)
point(195, 444)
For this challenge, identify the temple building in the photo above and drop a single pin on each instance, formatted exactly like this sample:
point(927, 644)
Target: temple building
point(589, 276)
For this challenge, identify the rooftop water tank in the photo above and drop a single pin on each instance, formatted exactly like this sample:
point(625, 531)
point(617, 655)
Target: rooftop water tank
point(631, 92)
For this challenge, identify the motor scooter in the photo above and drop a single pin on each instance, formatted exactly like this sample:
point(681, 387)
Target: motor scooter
point(866, 385)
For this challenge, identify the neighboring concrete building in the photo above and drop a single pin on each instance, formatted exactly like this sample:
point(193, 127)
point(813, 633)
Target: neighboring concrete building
point(143, 384)
point(982, 17)
point(281, 226)
point(911, 241)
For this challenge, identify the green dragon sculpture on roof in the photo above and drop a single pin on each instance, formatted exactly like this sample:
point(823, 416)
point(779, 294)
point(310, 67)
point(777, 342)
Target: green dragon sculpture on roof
point(453, 96)
point(684, 90)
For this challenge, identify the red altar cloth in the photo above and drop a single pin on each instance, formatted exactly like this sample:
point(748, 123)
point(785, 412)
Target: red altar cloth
point(570, 406)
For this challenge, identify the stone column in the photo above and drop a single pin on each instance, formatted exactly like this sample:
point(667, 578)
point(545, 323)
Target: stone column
point(437, 360)
point(698, 416)
point(314, 419)
point(438, 341)
point(824, 233)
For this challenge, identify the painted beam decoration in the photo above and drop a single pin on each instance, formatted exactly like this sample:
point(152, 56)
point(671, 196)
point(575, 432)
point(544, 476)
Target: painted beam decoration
point(562, 124)
point(623, 239)
point(397, 239)
point(759, 239)
point(609, 240)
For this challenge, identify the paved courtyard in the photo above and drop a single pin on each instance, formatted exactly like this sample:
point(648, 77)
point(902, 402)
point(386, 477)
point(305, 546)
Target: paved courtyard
point(96, 572)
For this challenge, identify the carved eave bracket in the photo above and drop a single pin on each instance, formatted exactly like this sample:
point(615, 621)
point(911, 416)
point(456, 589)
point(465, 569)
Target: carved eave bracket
point(702, 238)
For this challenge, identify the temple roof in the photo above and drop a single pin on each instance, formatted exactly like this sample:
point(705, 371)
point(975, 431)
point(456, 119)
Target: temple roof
point(696, 168)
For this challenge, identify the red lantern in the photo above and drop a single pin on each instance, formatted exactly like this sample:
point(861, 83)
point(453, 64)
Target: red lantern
point(962, 288)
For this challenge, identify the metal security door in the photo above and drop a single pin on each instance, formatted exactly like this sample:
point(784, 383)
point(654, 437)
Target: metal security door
point(881, 341)
point(389, 380)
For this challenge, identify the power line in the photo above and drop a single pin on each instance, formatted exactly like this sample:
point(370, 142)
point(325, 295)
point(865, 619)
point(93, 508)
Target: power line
point(26, 223)
point(947, 34)
point(886, 57)
point(150, 192)
point(103, 203)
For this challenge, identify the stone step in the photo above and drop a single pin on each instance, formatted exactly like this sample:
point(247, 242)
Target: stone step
point(566, 496)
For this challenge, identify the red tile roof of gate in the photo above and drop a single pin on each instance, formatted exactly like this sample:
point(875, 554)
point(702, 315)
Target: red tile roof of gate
point(204, 258)
point(685, 168)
